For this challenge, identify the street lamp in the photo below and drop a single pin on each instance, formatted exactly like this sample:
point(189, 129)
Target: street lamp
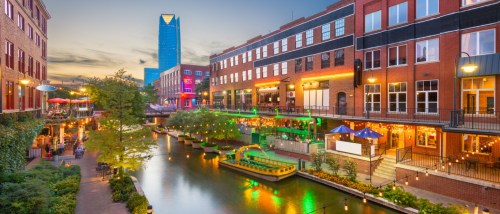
point(467, 68)
point(371, 79)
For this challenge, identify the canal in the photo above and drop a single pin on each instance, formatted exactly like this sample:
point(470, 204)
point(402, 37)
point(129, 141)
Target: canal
point(187, 181)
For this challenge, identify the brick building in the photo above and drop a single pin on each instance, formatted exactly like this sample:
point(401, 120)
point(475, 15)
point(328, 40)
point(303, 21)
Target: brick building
point(388, 65)
point(177, 86)
point(23, 39)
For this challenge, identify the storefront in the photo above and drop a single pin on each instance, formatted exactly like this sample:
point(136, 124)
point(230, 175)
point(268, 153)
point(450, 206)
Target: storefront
point(243, 98)
point(268, 96)
point(218, 99)
point(316, 94)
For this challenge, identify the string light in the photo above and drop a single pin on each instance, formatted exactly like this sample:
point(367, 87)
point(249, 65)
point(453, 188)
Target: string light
point(345, 205)
point(394, 186)
point(406, 182)
point(426, 173)
point(416, 178)
point(364, 198)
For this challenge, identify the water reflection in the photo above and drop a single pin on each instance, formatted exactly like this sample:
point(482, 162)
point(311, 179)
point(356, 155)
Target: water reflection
point(180, 179)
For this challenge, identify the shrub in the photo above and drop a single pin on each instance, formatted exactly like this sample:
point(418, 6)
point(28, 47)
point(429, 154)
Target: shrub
point(209, 145)
point(64, 204)
point(183, 135)
point(351, 170)
point(317, 160)
point(122, 189)
point(226, 148)
point(137, 203)
point(399, 196)
point(333, 165)
point(68, 185)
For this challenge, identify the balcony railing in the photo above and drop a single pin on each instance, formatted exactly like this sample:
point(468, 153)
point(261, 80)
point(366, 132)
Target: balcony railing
point(483, 120)
point(468, 167)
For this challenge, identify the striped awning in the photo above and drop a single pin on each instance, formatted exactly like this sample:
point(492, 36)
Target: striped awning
point(486, 65)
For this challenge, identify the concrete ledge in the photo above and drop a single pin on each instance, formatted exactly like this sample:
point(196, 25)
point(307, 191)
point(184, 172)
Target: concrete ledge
point(359, 194)
point(137, 186)
point(451, 176)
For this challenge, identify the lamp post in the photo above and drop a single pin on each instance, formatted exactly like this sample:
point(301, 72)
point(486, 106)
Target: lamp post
point(467, 68)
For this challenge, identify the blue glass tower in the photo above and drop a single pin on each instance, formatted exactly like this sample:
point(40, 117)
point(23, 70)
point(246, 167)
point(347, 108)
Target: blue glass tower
point(169, 47)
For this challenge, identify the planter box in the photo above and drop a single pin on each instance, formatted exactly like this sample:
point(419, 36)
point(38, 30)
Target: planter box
point(212, 149)
point(196, 145)
point(188, 141)
point(179, 138)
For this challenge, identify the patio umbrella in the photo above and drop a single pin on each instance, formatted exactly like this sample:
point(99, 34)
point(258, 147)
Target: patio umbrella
point(46, 88)
point(342, 130)
point(58, 100)
point(367, 133)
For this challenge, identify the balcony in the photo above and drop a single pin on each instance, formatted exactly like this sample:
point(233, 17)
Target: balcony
point(461, 165)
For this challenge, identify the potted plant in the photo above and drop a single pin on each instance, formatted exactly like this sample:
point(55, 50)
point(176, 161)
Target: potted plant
point(196, 144)
point(181, 137)
point(209, 147)
point(189, 140)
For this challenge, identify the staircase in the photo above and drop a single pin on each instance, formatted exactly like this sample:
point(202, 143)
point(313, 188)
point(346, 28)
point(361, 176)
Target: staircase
point(265, 147)
point(387, 168)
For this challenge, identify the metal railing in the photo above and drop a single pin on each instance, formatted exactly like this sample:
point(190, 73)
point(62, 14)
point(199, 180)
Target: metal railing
point(468, 167)
point(485, 120)
point(403, 154)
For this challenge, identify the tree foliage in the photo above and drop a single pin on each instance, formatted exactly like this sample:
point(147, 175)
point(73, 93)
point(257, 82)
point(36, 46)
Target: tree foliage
point(203, 86)
point(223, 128)
point(150, 94)
point(122, 140)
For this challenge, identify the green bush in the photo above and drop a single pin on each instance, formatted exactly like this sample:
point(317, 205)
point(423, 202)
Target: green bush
point(399, 196)
point(64, 204)
point(317, 160)
point(137, 203)
point(68, 185)
point(183, 135)
point(209, 145)
point(122, 189)
point(351, 169)
point(333, 165)
point(226, 148)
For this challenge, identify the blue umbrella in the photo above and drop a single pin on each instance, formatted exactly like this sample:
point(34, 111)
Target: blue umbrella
point(367, 133)
point(46, 88)
point(342, 130)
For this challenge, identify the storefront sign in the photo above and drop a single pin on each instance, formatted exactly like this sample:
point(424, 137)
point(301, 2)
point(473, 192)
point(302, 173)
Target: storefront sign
point(290, 94)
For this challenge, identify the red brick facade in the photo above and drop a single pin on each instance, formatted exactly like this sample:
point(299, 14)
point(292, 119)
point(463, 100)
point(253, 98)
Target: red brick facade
point(23, 29)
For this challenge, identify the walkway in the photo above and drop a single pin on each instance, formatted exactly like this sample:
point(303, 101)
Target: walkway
point(94, 195)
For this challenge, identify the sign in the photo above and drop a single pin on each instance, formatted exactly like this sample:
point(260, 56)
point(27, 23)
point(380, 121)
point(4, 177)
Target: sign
point(188, 81)
point(290, 94)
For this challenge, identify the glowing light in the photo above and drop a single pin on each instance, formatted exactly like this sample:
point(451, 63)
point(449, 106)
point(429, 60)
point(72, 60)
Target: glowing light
point(328, 77)
point(469, 68)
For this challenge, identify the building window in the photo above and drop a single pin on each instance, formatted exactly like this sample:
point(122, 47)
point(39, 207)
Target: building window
point(325, 32)
point(325, 60)
point(481, 144)
point(44, 49)
point(427, 96)
point(9, 95)
point(339, 57)
point(479, 43)
point(225, 79)
point(236, 59)
point(188, 72)
point(21, 56)
point(9, 9)
point(316, 99)
point(372, 21)
point(221, 79)
point(398, 14)
point(30, 32)
point(198, 73)
point(188, 90)
point(37, 40)
point(428, 50)
point(372, 59)
point(426, 137)
point(257, 53)
point(397, 97)
point(249, 55)
point(207, 73)
point(298, 65)
point(20, 21)
point(372, 97)
point(397, 55)
point(9, 54)
point(264, 51)
point(284, 45)
point(284, 68)
point(236, 77)
point(276, 48)
point(257, 73)
point(276, 69)
point(264, 72)
point(471, 2)
point(244, 57)
point(232, 61)
point(427, 8)
point(249, 74)
point(309, 63)
point(244, 75)
point(298, 40)
point(309, 37)
point(225, 63)
point(339, 27)
point(478, 95)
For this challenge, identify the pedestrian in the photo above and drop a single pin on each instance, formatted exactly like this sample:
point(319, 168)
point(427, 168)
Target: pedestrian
point(74, 147)
point(47, 149)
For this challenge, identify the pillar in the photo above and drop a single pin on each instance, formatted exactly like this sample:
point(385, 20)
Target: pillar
point(81, 129)
point(61, 134)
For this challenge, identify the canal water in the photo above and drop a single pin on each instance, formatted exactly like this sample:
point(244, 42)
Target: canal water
point(187, 181)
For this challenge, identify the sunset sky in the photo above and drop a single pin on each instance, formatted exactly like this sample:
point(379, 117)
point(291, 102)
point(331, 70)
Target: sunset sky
point(97, 37)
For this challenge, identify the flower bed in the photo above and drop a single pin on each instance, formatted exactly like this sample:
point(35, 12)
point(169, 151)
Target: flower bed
point(396, 195)
point(124, 191)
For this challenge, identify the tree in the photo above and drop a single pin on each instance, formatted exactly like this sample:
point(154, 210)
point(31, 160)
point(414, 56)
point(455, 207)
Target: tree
point(122, 140)
point(203, 86)
point(150, 94)
point(223, 128)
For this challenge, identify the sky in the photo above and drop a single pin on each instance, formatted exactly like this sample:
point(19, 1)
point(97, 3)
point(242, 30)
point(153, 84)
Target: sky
point(94, 38)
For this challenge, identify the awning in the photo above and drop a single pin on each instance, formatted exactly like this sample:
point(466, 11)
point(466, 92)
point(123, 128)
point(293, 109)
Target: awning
point(486, 65)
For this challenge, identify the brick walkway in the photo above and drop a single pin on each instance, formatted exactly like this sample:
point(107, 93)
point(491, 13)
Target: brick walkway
point(94, 195)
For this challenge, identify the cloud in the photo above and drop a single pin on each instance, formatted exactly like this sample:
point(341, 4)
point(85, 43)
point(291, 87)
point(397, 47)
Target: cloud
point(151, 54)
point(94, 58)
point(190, 56)
point(141, 61)
point(57, 78)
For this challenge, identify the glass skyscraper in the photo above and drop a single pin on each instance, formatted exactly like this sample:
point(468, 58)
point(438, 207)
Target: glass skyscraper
point(169, 47)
